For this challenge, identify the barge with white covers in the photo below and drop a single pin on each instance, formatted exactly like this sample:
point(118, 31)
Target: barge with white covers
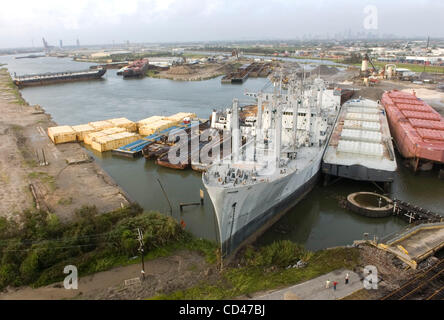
point(276, 166)
point(361, 147)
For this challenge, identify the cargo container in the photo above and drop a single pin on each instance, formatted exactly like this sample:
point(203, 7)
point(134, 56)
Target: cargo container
point(124, 123)
point(113, 141)
point(89, 138)
point(180, 117)
point(149, 120)
point(100, 125)
point(113, 130)
point(155, 127)
point(82, 130)
point(62, 134)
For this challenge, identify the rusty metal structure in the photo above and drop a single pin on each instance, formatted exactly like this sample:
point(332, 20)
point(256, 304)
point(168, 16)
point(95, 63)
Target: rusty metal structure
point(417, 128)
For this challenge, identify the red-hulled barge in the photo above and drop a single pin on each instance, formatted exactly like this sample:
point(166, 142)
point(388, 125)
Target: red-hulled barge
point(136, 69)
point(417, 128)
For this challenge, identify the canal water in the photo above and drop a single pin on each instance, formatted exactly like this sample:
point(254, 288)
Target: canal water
point(318, 221)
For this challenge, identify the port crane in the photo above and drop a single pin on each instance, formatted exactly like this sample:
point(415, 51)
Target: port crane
point(47, 47)
point(375, 70)
point(369, 76)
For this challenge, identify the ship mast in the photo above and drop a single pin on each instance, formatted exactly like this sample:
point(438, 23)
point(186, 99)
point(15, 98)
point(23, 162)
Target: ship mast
point(278, 132)
point(295, 104)
point(259, 138)
point(235, 130)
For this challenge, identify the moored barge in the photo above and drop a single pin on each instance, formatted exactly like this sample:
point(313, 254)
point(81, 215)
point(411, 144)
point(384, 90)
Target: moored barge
point(417, 128)
point(136, 69)
point(57, 77)
point(360, 147)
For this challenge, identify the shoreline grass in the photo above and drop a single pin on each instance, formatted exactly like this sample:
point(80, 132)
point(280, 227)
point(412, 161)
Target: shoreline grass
point(35, 247)
point(15, 90)
point(248, 279)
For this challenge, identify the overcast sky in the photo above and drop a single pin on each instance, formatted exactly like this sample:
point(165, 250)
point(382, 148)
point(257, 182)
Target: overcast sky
point(24, 22)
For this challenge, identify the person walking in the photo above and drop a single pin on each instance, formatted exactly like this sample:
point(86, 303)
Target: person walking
point(327, 284)
point(334, 285)
point(346, 278)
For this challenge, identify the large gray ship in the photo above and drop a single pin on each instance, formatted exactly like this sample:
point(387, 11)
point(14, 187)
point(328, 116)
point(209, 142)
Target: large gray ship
point(275, 159)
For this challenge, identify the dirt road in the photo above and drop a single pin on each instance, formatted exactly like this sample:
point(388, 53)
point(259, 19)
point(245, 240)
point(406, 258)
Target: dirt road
point(163, 275)
point(58, 187)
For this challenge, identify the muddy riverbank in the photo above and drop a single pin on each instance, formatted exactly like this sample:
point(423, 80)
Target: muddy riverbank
point(70, 180)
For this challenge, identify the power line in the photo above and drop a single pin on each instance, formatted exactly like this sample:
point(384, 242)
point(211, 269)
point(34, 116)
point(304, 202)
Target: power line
point(30, 241)
point(96, 236)
point(63, 247)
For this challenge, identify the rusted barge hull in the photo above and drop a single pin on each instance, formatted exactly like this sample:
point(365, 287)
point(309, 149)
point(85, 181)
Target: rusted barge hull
point(417, 128)
point(164, 162)
point(155, 150)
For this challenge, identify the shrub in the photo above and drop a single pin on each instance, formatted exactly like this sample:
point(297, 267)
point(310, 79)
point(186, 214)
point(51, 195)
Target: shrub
point(29, 269)
point(35, 250)
point(280, 254)
point(9, 275)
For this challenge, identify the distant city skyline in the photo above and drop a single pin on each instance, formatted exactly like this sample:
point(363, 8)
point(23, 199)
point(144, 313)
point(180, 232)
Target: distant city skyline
point(23, 23)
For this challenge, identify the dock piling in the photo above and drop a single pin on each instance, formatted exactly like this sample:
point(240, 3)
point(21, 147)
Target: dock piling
point(186, 204)
point(201, 194)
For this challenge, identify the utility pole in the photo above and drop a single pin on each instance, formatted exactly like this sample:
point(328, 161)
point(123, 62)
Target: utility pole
point(427, 50)
point(141, 250)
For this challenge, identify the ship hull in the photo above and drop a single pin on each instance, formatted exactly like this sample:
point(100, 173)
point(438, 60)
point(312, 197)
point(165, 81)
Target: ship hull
point(59, 79)
point(250, 232)
point(244, 213)
point(132, 73)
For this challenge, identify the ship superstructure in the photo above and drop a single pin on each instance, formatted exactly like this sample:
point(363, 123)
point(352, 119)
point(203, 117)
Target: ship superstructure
point(274, 160)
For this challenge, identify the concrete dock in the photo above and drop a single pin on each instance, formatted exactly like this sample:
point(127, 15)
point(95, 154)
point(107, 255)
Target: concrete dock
point(416, 244)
